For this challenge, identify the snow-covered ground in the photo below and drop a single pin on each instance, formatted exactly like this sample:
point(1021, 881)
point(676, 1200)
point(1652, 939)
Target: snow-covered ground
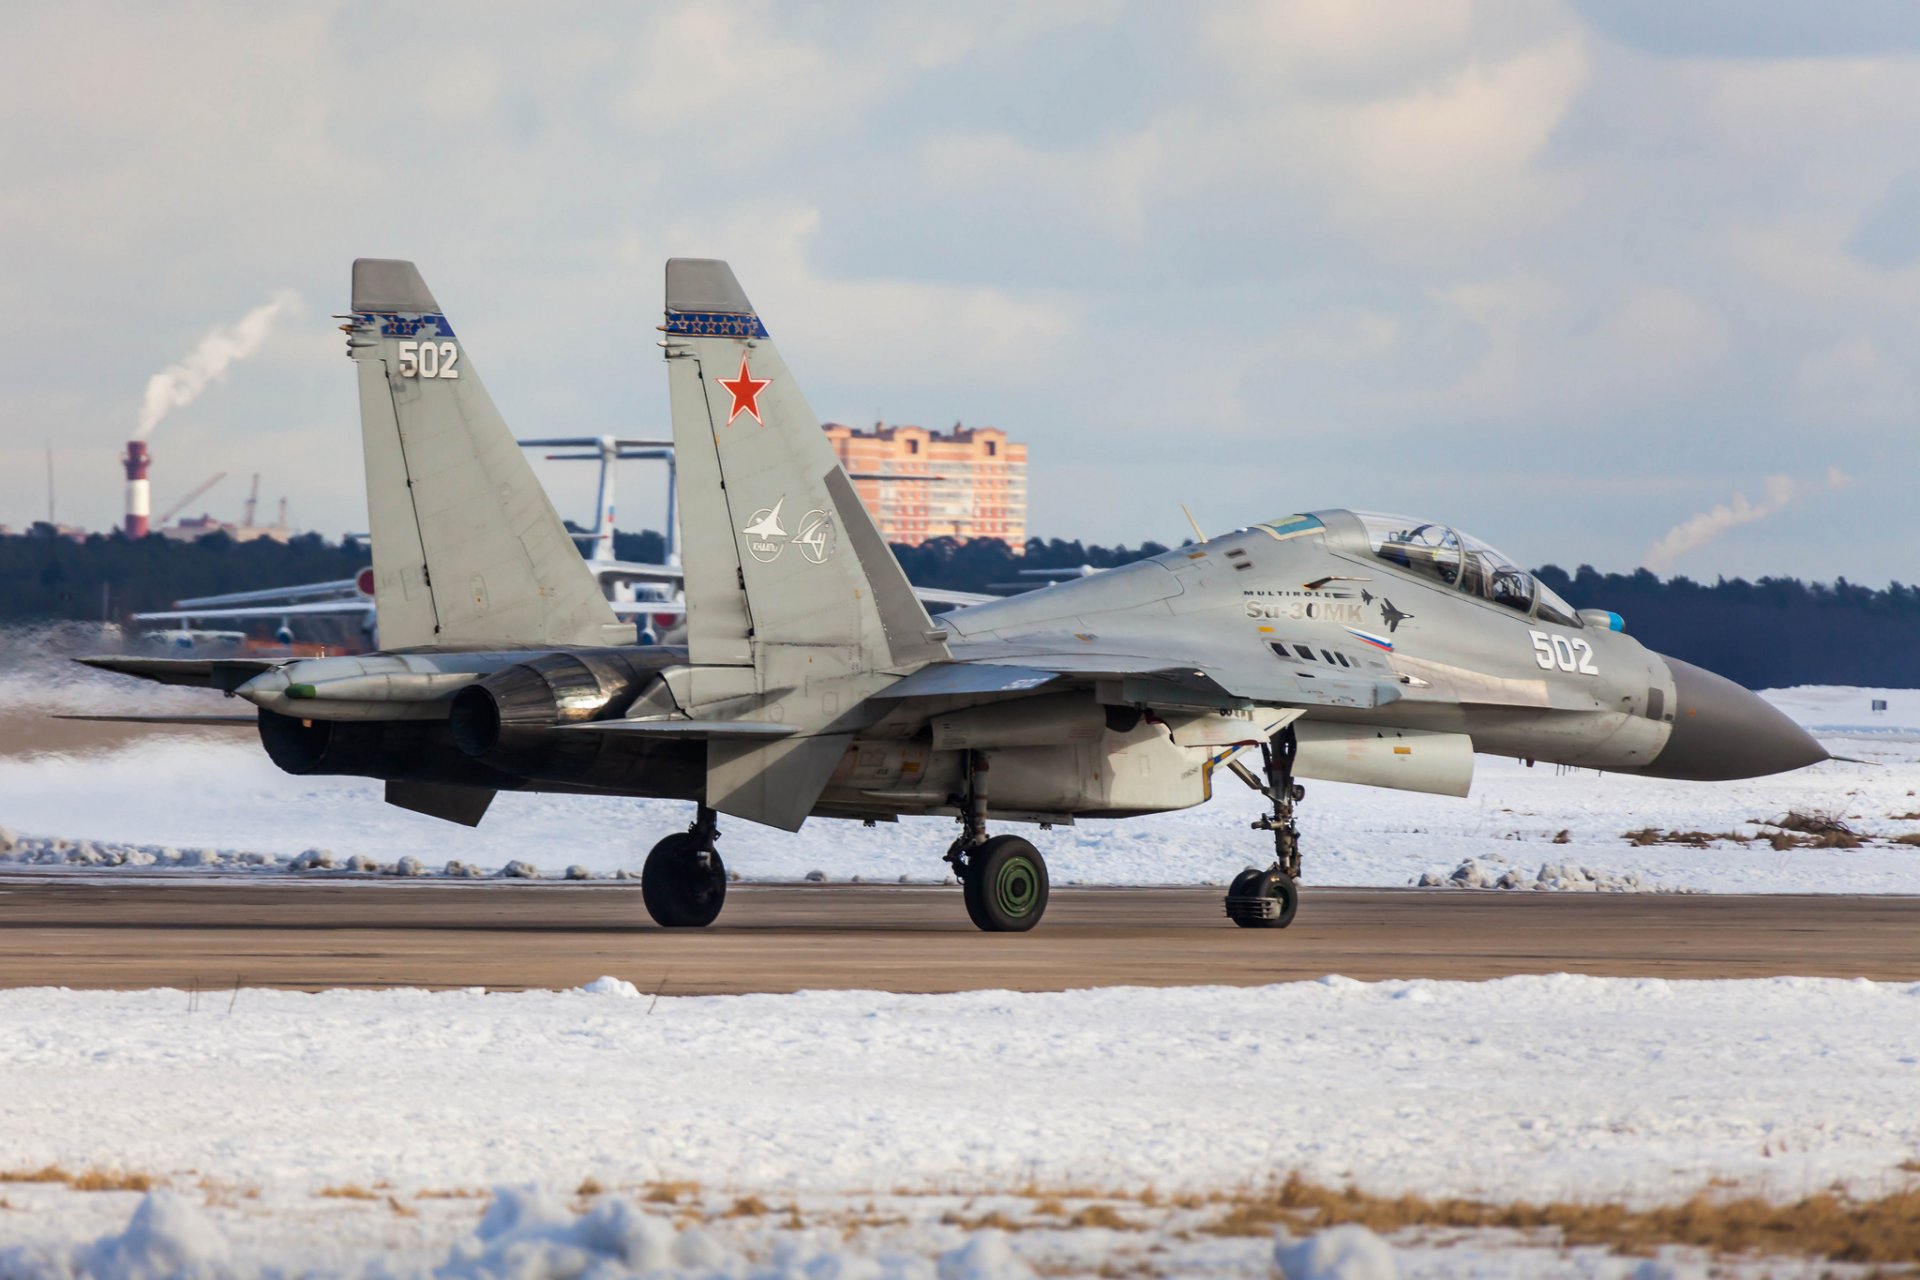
point(319, 1129)
point(221, 793)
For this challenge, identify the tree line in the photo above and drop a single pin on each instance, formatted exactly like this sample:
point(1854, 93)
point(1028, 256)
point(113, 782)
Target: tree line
point(1764, 634)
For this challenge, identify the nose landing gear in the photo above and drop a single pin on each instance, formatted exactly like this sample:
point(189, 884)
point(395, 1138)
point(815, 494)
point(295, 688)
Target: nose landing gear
point(684, 883)
point(1267, 899)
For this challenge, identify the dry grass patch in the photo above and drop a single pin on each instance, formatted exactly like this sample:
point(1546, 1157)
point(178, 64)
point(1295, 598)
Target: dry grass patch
point(1825, 1225)
point(1691, 839)
point(45, 1173)
point(589, 1186)
point(669, 1192)
point(747, 1207)
point(1911, 838)
point(348, 1191)
point(1102, 1215)
point(455, 1194)
point(1823, 829)
point(992, 1218)
point(90, 1180)
point(401, 1210)
point(101, 1180)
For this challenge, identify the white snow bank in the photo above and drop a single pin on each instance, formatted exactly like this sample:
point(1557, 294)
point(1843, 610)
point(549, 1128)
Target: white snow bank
point(1347, 1252)
point(168, 1236)
point(1563, 877)
point(525, 1234)
point(1532, 1087)
point(607, 985)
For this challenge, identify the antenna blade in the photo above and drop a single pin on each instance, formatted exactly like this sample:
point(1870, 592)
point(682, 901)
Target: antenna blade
point(1197, 535)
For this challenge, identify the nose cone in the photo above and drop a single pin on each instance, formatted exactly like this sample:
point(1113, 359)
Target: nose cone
point(1722, 731)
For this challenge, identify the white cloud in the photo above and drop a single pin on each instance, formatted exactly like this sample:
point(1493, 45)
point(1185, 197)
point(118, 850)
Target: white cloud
point(1433, 226)
point(877, 327)
point(1333, 43)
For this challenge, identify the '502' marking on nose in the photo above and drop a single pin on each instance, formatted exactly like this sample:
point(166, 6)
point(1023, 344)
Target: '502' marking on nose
point(1564, 653)
point(429, 360)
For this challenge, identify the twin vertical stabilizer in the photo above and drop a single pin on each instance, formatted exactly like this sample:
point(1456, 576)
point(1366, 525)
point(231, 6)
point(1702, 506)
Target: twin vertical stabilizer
point(468, 551)
point(778, 548)
point(788, 578)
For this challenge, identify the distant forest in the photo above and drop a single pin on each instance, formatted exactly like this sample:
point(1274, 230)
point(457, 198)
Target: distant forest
point(1765, 634)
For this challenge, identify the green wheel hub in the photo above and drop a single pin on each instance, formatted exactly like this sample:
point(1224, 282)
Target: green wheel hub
point(1017, 886)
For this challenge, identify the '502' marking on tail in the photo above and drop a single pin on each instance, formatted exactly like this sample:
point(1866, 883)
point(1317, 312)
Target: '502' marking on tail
point(1563, 652)
point(429, 360)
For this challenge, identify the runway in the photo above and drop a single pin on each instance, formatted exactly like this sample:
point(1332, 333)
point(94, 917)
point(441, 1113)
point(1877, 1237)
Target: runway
point(314, 934)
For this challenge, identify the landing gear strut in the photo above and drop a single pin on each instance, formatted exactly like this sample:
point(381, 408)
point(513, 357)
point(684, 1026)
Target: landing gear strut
point(1267, 899)
point(684, 883)
point(1004, 878)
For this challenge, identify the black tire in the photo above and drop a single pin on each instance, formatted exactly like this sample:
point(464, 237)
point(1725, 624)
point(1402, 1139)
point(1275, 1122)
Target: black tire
point(1252, 890)
point(1006, 885)
point(682, 890)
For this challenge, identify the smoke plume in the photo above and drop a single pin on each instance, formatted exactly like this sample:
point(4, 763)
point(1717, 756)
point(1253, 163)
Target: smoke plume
point(180, 384)
point(1692, 534)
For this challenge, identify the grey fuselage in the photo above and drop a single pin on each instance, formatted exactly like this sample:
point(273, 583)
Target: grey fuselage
point(1299, 621)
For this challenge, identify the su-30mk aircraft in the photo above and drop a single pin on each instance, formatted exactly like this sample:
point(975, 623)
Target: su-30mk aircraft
point(1337, 645)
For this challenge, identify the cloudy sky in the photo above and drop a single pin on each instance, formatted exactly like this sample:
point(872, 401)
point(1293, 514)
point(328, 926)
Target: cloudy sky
point(1625, 282)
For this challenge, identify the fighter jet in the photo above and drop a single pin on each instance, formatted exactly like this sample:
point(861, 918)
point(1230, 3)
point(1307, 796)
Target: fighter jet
point(814, 684)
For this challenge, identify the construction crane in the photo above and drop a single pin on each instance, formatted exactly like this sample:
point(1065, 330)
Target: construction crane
point(192, 493)
point(253, 503)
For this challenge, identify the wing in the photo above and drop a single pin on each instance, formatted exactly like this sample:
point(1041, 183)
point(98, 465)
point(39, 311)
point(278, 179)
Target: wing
point(339, 590)
point(1152, 681)
point(951, 599)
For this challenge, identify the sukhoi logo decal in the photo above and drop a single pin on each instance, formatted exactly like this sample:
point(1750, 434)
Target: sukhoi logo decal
point(766, 537)
point(817, 538)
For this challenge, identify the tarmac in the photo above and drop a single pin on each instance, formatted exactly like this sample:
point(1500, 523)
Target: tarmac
point(214, 932)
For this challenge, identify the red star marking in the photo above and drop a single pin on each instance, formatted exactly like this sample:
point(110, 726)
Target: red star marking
point(746, 391)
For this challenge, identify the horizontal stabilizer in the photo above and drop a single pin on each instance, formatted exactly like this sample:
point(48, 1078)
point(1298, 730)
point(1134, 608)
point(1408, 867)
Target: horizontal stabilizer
point(238, 721)
point(201, 673)
point(464, 805)
point(349, 607)
point(689, 730)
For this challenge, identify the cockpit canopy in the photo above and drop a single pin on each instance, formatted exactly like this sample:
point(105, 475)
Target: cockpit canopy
point(1450, 558)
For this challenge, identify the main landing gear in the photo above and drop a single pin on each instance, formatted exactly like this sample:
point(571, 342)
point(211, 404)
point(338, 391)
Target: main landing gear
point(1004, 878)
point(684, 883)
point(1267, 899)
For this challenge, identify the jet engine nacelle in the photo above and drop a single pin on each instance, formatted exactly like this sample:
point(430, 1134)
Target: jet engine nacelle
point(1404, 759)
point(518, 720)
point(510, 719)
point(411, 750)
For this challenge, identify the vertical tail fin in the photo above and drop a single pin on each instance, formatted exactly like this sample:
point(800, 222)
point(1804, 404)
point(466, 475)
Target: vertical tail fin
point(788, 580)
point(779, 550)
point(467, 549)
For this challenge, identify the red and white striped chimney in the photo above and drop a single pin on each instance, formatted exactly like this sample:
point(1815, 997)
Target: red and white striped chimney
point(138, 497)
